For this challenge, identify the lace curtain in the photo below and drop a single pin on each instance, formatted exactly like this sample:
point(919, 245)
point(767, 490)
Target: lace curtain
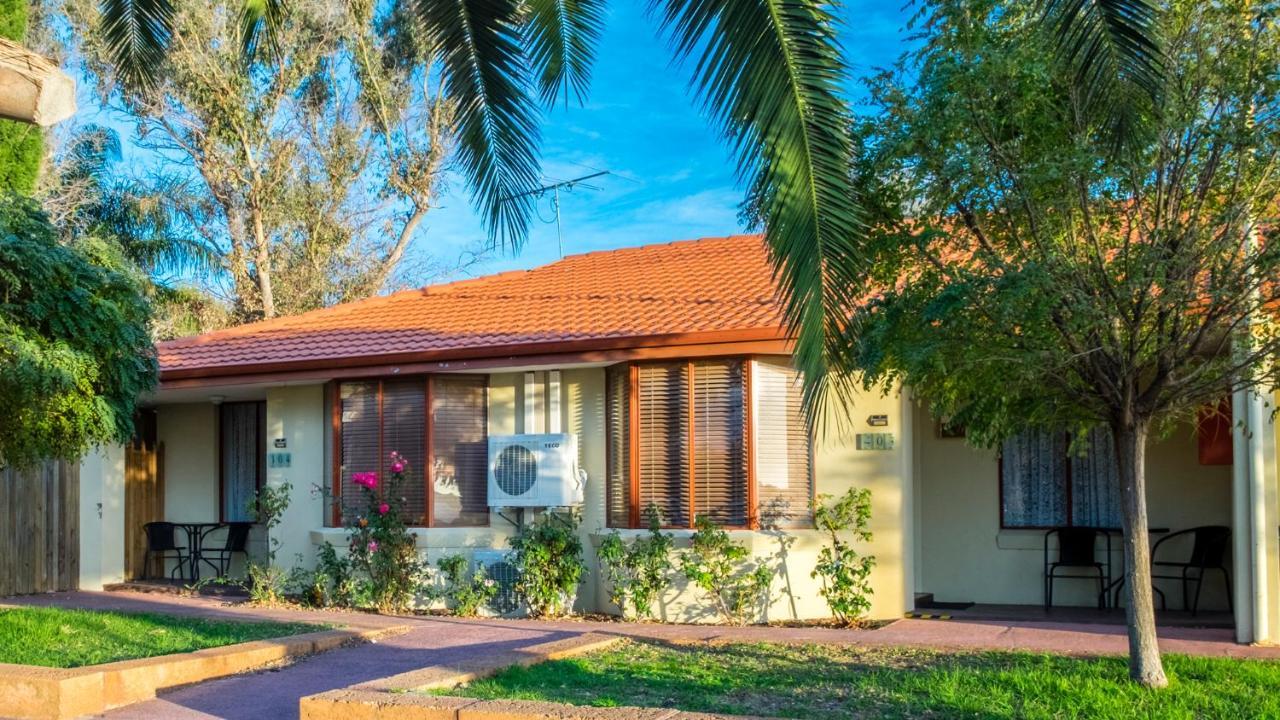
point(1045, 483)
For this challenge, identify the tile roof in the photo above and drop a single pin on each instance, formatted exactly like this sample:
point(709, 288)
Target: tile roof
point(706, 290)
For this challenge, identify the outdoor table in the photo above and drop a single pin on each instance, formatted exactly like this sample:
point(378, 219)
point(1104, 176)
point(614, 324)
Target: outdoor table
point(196, 532)
point(1117, 583)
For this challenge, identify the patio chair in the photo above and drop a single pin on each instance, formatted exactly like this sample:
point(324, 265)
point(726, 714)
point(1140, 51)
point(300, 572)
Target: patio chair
point(162, 543)
point(237, 541)
point(1076, 552)
point(1208, 552)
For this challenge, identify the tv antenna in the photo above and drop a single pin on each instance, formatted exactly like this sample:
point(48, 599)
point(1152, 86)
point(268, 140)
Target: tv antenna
point(553, 189)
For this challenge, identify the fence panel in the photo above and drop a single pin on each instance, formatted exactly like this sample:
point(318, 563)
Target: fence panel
point(40, 528)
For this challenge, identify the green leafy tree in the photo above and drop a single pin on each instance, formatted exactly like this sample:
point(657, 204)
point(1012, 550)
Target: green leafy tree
point(74, 348)
point(1038, 275)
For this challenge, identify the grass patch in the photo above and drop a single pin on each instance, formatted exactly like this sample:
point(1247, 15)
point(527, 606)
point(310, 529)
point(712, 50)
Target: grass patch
point(815, 681)
point(53, 637)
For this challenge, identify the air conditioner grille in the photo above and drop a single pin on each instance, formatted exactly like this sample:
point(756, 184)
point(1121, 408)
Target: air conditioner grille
point(504, 574)
point(516, 470)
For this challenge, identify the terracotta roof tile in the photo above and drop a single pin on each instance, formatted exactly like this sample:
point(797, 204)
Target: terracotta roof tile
point(687, 288)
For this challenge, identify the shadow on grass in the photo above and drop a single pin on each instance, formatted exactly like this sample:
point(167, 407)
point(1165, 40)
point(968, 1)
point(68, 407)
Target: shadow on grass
point(824, 682)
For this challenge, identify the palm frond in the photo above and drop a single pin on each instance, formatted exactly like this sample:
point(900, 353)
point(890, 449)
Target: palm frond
point(562, 37)
point(770, 73)
point(1115, 51)
point(485, 76)
point(137, 34)
point(260, 20)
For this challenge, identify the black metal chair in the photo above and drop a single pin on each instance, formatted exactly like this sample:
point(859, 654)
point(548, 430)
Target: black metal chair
point(1076, 551)
point(237, 541)
point(162, 542)
point(1208, 552)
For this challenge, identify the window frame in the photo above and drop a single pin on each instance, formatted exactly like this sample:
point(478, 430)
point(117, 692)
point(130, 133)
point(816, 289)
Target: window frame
point(221, 449)
point(428, 471)
point(1069, 498)
point(635, 509)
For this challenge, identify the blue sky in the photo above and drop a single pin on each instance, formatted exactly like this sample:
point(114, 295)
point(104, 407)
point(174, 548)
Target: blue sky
point(672, 176)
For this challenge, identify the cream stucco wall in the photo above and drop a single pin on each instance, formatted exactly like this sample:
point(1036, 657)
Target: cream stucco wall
point(189, 433)
point(966, 557)
point(102, 517)
point(295, 414)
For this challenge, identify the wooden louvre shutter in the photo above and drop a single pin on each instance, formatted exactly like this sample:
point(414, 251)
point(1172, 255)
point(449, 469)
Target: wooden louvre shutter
point(459, 446)
point(404, 430)
point(784, 476)
point(618, 439)
point(719, 441)
point(360, 434)
point(662, 440)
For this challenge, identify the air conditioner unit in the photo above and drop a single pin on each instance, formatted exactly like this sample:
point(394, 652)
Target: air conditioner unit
point(534, 471)
point(499, 568)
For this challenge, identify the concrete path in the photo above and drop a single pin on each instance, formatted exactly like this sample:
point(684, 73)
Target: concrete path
point(275, 693)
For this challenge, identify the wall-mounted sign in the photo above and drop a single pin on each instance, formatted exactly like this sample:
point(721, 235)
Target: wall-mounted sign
point(873, 441)
point(878, 420)
point(279, 459)
point(282, 443)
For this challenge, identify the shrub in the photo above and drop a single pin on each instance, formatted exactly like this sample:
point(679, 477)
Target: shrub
point(266, 583)
point(464, 591)
point(382, 554)
point(843, 571)
point(548, 560)
point(639, 572)
point(723, 570)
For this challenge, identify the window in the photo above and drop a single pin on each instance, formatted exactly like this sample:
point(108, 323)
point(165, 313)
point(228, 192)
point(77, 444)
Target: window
point(783, 462)
point(1043, 484)
point(692, 438)
point(242, 451)
point(444, 481)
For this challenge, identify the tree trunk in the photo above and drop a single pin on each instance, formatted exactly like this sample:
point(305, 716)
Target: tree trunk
point(1130, 438)
point(262, 265)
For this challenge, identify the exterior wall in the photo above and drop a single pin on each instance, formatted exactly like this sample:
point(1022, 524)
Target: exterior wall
point(189, 433)
point(102, 517)
point(966, 557)
point(296, 414)
point(837, 467)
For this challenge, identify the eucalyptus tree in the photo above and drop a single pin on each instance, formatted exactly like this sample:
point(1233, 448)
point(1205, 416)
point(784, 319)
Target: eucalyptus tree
point(1042, 269)
point(313, 168)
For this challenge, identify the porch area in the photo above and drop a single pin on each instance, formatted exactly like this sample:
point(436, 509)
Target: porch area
point(992, 526)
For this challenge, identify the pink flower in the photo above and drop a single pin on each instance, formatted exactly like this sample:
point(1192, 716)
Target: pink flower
point(397, 467)
point(383, 509)
point(365, 479)
point(373, 546)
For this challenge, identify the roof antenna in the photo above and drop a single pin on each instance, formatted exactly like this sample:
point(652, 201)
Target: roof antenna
point(553, 189)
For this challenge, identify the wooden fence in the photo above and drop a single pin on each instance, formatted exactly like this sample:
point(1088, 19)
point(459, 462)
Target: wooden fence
point(40, 528)
point(143, 502)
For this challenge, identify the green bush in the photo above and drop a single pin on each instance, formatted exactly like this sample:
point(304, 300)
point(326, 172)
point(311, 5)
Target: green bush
point(548, 560)
point(464, 591)
point(724, 571)
point(844, 572)
point(638, 573)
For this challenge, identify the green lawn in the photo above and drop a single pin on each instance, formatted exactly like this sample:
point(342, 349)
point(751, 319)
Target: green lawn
point(53, 637)
point(858, 682)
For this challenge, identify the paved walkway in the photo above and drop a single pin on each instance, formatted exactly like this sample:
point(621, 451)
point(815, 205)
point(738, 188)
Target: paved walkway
point(275, 693)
